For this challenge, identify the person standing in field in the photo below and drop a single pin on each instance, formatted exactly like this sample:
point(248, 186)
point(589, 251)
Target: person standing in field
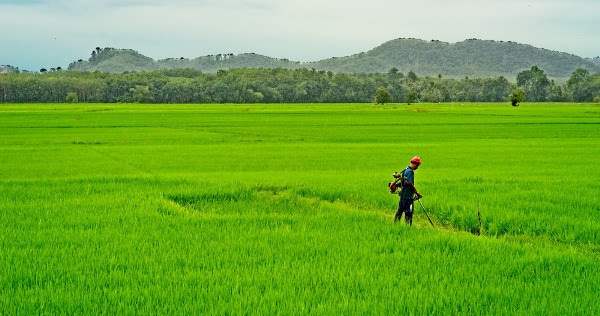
point(408, 192)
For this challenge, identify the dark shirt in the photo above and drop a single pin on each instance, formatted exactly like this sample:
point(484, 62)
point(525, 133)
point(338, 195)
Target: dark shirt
point(408, 192)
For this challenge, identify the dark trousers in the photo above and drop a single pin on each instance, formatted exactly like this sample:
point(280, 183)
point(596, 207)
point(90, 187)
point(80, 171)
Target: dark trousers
point(405, 206)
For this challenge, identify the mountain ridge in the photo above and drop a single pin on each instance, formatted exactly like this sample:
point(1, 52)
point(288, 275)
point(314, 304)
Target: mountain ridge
point(471, 57)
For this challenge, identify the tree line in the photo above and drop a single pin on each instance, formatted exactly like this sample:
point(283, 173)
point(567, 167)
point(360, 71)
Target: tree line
point(285, 86)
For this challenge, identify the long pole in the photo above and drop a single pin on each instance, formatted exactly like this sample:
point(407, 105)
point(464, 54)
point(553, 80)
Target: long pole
point(426, 213)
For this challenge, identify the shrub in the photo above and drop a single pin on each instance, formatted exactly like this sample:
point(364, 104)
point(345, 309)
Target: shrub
point(517, 97)
point(72, 97)
point(383, 96)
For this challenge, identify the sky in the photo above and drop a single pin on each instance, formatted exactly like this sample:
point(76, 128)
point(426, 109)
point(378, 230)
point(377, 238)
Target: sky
point(38, 34)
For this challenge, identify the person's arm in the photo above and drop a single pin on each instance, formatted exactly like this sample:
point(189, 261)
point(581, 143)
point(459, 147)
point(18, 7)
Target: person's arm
point(412, 186)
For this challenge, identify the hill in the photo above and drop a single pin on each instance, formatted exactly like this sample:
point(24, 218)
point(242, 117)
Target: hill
point(473, 58)
point(115, 61)
point(126, 60)
point(214, 63)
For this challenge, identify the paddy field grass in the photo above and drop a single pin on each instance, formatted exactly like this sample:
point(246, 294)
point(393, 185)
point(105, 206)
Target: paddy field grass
point(262, 209)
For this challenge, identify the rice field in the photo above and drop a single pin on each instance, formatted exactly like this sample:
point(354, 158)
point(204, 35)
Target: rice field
point(264, 209)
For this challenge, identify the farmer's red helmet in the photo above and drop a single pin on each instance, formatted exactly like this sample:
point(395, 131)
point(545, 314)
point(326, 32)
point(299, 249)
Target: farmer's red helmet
point(416, 159)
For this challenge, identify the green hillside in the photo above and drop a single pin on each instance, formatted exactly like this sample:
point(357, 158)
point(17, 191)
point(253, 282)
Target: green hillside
point(472, 58)
point(126, 60)
point(214, 63)
point(115, 61)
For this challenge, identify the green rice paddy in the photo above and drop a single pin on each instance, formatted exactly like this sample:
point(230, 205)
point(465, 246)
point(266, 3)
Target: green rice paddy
point(265, 209)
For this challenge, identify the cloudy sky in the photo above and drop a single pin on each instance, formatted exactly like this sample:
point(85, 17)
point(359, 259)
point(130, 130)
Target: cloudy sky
point(51, 33)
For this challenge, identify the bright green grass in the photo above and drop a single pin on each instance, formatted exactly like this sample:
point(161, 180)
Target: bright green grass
point(146, 209)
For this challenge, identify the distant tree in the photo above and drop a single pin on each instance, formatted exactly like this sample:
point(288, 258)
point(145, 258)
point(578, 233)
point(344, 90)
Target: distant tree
point(587, 90)
point(412, 97)
point(382, 96)
point(579, 87)
point(433, 92)
point(58, 68)
point(412, 76)
point(269, 86)
point(394, 74)
point(98, 49)
point(535, 84)
point(141, 94)
point(517, 97)
point(43, 70)
point(251, 96)
point(5, 69)
point(72, 97)
point(557, 93)
point(80, 60)
point(578, 76)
